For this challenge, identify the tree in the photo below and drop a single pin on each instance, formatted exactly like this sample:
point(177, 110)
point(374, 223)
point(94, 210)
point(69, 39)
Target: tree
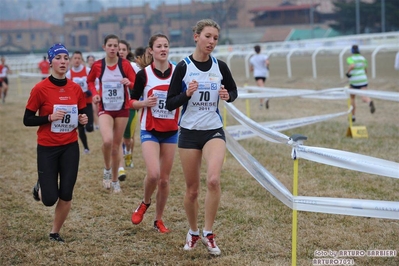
point(370, 16)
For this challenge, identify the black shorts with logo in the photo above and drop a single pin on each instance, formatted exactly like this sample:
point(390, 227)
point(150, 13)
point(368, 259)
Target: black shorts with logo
point(196, 139)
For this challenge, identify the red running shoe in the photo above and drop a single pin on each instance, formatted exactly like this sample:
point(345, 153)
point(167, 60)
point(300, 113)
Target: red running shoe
point(138, 214)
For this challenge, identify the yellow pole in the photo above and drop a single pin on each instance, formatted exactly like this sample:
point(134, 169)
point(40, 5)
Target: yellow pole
point(224, 125)
point(248, 106)
point(294, 214)
point(350, 114)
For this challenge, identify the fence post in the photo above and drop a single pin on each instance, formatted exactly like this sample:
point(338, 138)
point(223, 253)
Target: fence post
point(298, 139)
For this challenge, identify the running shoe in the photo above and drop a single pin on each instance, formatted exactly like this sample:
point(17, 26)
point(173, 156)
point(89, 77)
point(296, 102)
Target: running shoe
point(87, 151)
point(107, 179)
point(56, 238)
point(210, 243)
point(191, 241)
point(138, 214)
point(372, 107)
point(128, 160)
point(116, 187)
point(35, 192)
point(353, 119)
point(121, 174)
point(160, 227)
point(267, 104)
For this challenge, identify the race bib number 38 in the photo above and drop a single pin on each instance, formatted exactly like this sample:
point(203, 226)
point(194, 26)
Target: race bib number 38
point(113, 96)
point(70, 120)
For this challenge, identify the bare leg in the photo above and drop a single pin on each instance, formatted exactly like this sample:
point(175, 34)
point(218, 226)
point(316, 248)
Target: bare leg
point(61, 212)
point(214, 152)
point(191, 163)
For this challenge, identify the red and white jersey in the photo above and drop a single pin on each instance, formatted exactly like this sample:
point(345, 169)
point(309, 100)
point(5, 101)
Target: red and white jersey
point(46, 98)
point(158, 117)
point(79, 76)
point(114, 95)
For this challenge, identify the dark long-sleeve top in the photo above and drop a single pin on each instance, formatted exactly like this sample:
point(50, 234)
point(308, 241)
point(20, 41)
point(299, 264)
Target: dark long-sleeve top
point(177, 95)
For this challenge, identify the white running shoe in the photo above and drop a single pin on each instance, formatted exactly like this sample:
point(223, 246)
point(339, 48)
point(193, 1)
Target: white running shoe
point(107, 179)
point(191, 241)
point(210, 243)
point(116, 187)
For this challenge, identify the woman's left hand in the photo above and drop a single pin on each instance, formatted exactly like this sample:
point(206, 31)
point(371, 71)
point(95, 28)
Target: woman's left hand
point(224, 94)
point(83, 119)
point(126, 81)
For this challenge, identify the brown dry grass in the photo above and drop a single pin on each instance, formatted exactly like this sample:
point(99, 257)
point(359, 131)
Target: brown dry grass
point(252, 227)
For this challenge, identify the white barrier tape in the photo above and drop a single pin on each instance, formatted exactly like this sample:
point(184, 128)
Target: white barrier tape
point(265, 133)
point(352, 207)
point(264, 177)
point(29, 75)
point(240, 132)
point(383, 95)
point(332, 93)
point(349, 160)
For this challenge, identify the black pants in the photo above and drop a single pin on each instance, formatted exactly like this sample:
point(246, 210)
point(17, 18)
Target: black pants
point(62, 161)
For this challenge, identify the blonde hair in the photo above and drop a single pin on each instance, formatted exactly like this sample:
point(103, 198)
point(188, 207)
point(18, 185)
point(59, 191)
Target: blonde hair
point(201, 24)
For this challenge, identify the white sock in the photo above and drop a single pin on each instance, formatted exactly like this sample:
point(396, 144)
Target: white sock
point(205, 233)
point(121, 168)
point(194, 232)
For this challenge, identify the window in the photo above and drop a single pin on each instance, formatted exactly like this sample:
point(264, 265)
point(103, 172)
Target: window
point(19, 37)
point(83, 40)
point(130, 37)
point(32, 36)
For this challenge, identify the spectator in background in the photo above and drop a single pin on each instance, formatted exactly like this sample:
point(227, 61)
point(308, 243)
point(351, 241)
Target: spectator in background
point(44, 67)
point(4, 71)
point(357, 74)
point(260, 67)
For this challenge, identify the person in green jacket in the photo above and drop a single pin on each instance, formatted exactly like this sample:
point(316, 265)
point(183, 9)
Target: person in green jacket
point(357, 74)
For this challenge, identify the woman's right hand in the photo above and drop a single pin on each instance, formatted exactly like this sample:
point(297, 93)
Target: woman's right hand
point(151, 101)
point(192, 87)
point(58, 115)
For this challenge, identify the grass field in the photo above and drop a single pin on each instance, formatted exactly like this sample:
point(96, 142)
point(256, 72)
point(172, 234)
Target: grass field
point(252, 227)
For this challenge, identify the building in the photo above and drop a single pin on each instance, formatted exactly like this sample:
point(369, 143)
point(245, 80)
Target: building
point(241, 21)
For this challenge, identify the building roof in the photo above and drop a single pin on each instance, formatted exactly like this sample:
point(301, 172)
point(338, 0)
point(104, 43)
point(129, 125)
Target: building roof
point(282, 8)
point(24, 24)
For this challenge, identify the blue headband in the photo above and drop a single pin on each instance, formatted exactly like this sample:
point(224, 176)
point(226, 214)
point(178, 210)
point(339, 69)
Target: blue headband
point(58, 48)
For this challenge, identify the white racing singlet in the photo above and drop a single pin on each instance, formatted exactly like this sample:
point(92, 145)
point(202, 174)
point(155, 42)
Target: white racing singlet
point(113, 91)
point(201, 112)
point(82, 82)
point(70, 120)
